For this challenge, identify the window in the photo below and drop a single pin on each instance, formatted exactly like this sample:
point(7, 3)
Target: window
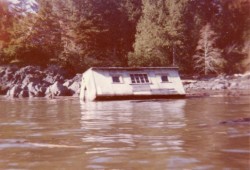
point(139, 78)
point(164, 78)
point(116, 79)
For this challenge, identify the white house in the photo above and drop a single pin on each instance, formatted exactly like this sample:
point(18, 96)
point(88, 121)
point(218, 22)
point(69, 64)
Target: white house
point(112, 83)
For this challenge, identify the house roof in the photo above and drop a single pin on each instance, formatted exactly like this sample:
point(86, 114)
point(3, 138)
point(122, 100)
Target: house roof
point(133, 68)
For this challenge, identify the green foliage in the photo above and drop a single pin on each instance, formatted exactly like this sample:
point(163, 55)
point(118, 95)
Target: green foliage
point(78, 34)
point(96, 33)
point(35, 38)
point(160, 34)
point(6, 21)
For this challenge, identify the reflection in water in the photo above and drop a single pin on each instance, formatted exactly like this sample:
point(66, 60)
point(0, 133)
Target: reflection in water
point(124, 128)
point(151, 134)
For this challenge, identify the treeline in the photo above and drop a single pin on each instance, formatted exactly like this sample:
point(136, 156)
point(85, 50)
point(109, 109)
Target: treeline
point(199, 36)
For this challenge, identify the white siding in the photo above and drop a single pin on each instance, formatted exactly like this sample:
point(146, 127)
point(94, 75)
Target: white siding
point(99, 83)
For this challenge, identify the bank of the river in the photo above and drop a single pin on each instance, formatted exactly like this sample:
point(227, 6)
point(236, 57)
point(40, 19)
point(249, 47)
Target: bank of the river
point(34, 81)
point(222, 85)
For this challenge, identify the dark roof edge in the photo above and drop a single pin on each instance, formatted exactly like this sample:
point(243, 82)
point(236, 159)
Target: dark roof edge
point(131, 68)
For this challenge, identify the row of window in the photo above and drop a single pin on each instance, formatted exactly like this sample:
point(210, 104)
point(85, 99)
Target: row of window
point(138, 78)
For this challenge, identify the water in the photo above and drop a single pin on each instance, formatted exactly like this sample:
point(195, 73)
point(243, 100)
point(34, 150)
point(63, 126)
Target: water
point(153, 134)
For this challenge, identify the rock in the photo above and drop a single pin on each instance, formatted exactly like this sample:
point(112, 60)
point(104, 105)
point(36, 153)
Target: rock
point(35, 80)
point(57, 89)
point(75, 88)
point(77, 93)
point(233, 85)
point(244, 85)
point(59, 78)
point(32, 78)
point(14, 91)
point(219, 87)
point(54, 69)
point(77, 78)
point(11, 70)
point(240, 121)
point(36, 90)
point(68, 83)
point(3, 89)
point(2, 72)
point(53, 78)
point(22, 73)
point(24, 93)
point(49, 78)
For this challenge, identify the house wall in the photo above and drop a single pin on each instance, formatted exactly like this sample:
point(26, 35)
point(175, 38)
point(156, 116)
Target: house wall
point(88, 90)
point(105, 86)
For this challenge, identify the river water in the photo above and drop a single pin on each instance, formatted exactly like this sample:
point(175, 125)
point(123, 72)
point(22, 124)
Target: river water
point(152, 134)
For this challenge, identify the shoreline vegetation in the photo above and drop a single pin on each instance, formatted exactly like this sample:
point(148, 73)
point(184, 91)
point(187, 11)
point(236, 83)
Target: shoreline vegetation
point(54, 81)
point(198, 36)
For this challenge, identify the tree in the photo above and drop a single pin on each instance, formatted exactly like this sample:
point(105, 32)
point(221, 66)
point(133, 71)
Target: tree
point(45, 33)
point(97, 33)
point(233, 26)
point(35, 37)
point(149, 49)
point(208, 58)
point(6, 22)
point(106, 33)
point(177, 31)
point(160, 34)
point(17, 32)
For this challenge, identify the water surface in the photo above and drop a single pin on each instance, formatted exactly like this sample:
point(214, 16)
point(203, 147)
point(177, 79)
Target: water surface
point(152, 134)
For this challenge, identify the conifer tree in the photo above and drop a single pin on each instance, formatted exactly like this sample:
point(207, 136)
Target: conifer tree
point(208, 57)
point(17, 32)
point(97, 33)
point(233, 27)
point(6, 24)
point(149, 49)
point(6, 19)
point(35, 37)
point(45, 35)
point(159, 36)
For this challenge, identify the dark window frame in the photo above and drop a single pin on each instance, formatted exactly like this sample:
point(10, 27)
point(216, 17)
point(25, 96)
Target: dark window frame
point(164, 78)
point(139, 78)
point(116, 79)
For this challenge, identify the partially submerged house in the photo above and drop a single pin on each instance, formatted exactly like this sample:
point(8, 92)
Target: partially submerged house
point(114, 83)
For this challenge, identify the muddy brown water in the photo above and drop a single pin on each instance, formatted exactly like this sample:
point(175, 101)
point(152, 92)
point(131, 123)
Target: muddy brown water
point(65, 133)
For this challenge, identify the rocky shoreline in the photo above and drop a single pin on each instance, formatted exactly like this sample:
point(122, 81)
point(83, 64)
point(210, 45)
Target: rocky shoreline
point(222, 85)
point(34, 81)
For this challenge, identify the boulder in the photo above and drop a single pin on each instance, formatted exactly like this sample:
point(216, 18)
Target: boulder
point(24, 92)
point(49, 79)
point(3, 89)
point(54, 78)
point(75, 88)
point(36, 90)
point(77, 78)
point(24, 72)
point(2, 72)
point(32, 78)
point(14, 91)
point(57, 89)
point(68, 83)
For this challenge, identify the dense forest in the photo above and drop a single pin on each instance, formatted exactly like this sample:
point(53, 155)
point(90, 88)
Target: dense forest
point(198, 36)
